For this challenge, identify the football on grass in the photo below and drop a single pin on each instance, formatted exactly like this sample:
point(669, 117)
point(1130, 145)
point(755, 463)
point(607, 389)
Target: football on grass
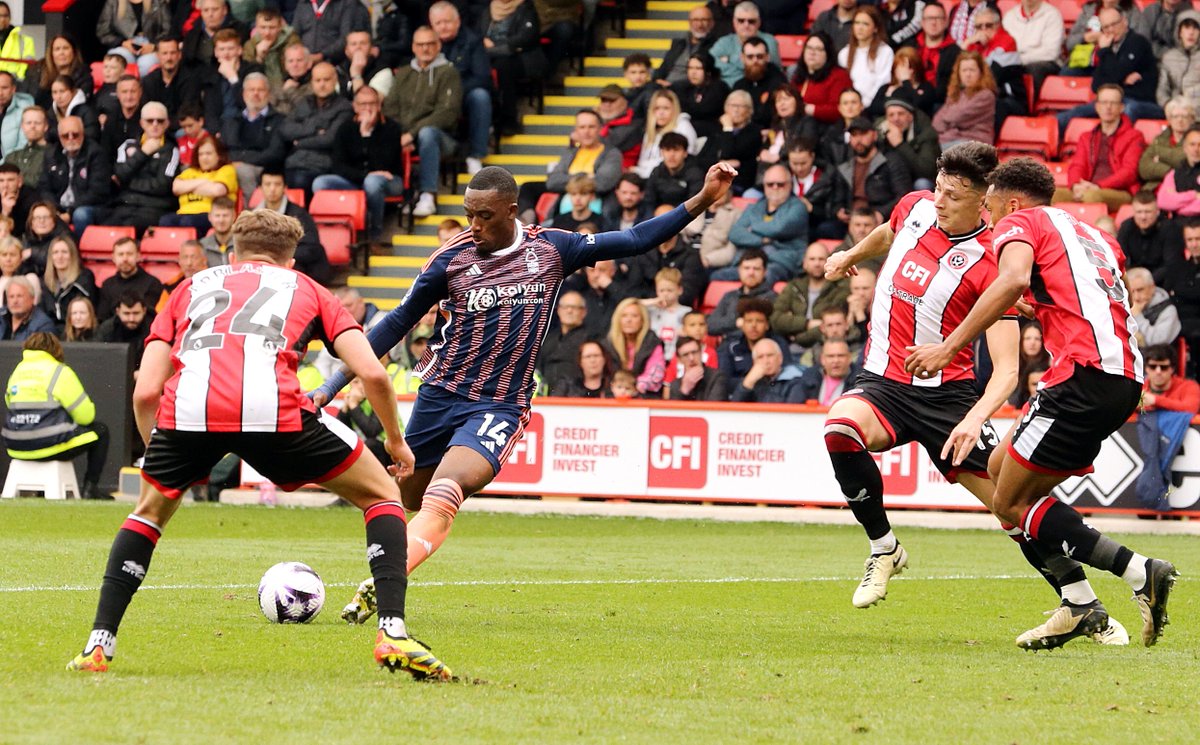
point(291, 592)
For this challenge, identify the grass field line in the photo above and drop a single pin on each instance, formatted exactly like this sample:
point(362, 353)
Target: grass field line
point(549, 582)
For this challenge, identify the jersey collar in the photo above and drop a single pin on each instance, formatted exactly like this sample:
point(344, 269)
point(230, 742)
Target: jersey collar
point(966, 236)
point(518, 238)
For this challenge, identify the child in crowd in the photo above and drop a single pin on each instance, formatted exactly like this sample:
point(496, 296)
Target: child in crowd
point(623, 385)
point(105, 97)
point(581, 191)
point(191, 121)
point(695, 325)
point(666, 314)
point(636, 69)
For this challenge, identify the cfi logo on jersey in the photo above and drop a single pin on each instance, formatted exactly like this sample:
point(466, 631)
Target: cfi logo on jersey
point(956, 259)
point(480, 298)
point(531, 260)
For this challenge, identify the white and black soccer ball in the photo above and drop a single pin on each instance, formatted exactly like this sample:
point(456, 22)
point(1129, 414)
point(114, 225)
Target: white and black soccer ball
point(291, 592)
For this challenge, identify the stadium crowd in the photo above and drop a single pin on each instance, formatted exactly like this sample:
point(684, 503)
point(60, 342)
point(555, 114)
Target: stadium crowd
point(202, 108)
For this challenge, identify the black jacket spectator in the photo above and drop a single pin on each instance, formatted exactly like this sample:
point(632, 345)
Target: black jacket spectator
point(465, 51)
point(393, 36)
point(760, 93)
point(703, 103)
point(222, 98)
point(142, 283)
point(184, 88)
point(310, 255)
point(664, 187)
point(682, 47)
point(118, 130)
point(558, 361)
point(355, 156)
point(1159, 249)
point(683, 257)
point(326, 34)
point(812, 378)
point(88, 175)
point(312, 127)
point(198, 43)
point(888, 179)
point(742, 145)
point(55, 304)
point(714, 386)
point(255, 142)
point(145, 180)
point(723, 319)
point(1115, 64)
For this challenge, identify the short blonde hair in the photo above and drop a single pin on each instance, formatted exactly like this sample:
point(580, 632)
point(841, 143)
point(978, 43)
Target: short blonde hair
point(266, 233)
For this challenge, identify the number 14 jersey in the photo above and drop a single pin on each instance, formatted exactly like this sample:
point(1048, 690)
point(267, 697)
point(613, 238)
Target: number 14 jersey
point(237, 334)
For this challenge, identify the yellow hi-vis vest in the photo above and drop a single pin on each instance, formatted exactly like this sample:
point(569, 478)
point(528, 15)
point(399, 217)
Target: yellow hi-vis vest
point(46, 406)
point(17, 46)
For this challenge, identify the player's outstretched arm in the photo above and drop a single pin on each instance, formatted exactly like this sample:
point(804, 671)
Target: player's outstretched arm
point(1003, 340)
point(355, 352)
point(877, 243)
point(155, 371)
point(1016, 268)
point(651, 233)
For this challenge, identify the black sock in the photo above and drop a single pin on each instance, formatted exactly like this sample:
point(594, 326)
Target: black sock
point(1030, 551)
point(1061, 530)
point(387, 553)
point(128, 562)
point(858, 475)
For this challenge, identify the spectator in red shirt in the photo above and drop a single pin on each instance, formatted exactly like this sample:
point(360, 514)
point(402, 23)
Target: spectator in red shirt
point(932, 41)
point(819, 78)
point(1163, 388)
point(1104, 167)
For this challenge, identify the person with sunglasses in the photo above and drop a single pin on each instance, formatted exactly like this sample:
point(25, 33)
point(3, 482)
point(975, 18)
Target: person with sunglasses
point(145, 172)
point(77, 175)
point(727, 50)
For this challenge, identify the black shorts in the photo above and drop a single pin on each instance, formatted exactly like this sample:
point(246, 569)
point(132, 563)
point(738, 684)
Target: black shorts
point(927, 415)
point(1063, 427)
point(321, 450)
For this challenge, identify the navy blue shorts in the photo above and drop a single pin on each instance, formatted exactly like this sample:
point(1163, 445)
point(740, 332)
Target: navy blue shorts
point(441, 419)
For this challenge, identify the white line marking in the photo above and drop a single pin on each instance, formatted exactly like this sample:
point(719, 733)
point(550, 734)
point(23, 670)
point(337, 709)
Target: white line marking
point(549, 583)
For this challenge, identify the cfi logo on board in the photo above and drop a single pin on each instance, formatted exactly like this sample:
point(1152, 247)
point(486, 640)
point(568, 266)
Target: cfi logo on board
point(524, 464)
point(678, 456)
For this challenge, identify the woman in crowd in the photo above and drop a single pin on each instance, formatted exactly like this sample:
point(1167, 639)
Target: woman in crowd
point(595, 372)
point(1180, 190)
point(664, 115)
point(867, 57)
point(212, 176)
point(738, 141)
point(908, 73)
point(65, 280)
point(62, 58)
point(131, 28)
point(788, 122)
point(1166, 150)
point(511, 38)
point(41, 228)
point(1033, 356)
point(969, 114)
point(81, 320)
point(635, 347)
point(11, 265)
point(67, 99)
point(702, 94)
point(819, 78)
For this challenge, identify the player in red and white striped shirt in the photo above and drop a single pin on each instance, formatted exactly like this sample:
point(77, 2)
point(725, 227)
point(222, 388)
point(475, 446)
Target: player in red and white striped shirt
point(218, 375)
point(939, 261)
point(1071, 273)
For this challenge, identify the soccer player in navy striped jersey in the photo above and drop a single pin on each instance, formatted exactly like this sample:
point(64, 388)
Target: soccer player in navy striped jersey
point(495, 286)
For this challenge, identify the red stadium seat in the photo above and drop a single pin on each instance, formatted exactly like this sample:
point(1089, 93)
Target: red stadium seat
point(1150, 128)
point(334, 205)
point(1074, 130)
point(1088, 212)
point(831, 243)
point(295, 196)
point(1060, 93)
point(1029, 134)
point(791, 47)
point(339, 216)
point(1070, 10)
point(1006, 156)
point(742, 202)
point(101, 269)
point(716, 290)
point(97, 240)
point(817, 7)
point(1123, 213)
point(1059, 169)
point(545, 203)
point(162, 244)
point(1007, 5)
point(165, 271)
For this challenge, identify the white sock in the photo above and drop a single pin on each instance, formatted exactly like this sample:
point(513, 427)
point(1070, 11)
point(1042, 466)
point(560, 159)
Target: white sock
point(106, 640)
point(1078, 593)
point(884, 545)
point(393, 626)
point(1135, 573)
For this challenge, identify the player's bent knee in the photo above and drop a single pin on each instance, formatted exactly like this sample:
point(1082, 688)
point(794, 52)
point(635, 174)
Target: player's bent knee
point(874, 436)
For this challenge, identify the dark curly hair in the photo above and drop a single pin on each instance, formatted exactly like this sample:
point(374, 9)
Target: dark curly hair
point(1024, 176)
point(973, 161)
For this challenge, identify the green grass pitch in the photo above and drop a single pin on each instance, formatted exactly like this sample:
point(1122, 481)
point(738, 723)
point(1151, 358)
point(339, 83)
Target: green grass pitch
point(576, 629)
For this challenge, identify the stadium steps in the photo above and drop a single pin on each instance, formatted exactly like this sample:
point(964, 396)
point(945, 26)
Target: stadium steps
point(528, 155)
